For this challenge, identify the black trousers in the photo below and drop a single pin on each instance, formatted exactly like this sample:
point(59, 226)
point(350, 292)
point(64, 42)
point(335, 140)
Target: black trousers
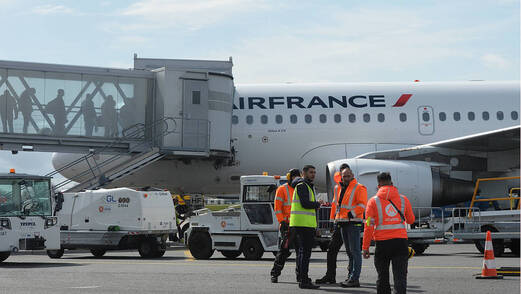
point(305, 240)
point(286, 241)
point(395, 252)
point(332, 251)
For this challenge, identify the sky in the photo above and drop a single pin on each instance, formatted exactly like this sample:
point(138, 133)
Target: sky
point(271, 41)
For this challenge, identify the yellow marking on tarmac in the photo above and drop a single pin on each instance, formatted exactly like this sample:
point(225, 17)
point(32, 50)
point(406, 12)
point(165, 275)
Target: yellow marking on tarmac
point(188, 255)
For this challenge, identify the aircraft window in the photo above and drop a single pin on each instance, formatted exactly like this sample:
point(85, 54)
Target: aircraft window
point(457, 116)
point(500, 115)
point(293, 118)
point(352, 117)
point(381, 117)
point(367, 117)
point(485, 115)
point(307, 118)
point(278, 118)
point(403, 116)
point(471, 115)
point(426, 116)
point(337, 118)
point(443, 116)
point(249, 119)
point(235, 119)
point(323, 118)
point(264, 119)
point(514, 115)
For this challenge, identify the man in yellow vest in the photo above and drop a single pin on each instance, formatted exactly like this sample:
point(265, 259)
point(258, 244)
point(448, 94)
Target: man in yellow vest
point(303, 222)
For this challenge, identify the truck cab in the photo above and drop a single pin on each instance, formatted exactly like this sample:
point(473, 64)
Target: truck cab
point(26, 214)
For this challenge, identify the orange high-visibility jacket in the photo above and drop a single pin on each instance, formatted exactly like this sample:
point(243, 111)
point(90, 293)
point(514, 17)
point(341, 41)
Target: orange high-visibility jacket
point(282, 204)
point(383, 221)
point(354, 201)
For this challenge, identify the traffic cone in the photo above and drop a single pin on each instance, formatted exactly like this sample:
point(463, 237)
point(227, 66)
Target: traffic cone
point(489, 263)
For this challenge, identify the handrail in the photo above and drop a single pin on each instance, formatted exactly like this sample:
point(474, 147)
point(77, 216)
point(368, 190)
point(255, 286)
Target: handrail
point(511, 200)
point(118, 140)
point(110, 159)
point(490, 199)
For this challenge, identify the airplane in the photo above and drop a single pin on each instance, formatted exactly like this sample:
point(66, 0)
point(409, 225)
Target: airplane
point(435, 138)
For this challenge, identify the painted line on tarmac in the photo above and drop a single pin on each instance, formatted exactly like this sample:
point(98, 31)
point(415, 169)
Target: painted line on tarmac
point(84, 287)
point(194, 262)
point(189, 255)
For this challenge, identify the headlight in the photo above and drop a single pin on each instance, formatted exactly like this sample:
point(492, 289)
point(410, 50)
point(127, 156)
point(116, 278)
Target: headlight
point(5, 223)
point(51, 221)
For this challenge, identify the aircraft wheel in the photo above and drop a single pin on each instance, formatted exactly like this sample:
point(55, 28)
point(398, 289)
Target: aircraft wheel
point(200, 245)
point(252, 249)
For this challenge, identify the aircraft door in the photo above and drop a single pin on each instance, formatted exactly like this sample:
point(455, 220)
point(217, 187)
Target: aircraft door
point(195, 114)
point(425, 120)
point(258, 208)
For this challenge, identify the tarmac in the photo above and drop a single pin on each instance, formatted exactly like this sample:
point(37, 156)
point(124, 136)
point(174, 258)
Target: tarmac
point(448, 268)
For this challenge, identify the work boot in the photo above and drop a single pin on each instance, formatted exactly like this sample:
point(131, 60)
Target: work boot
point(274, 279)
point(307, 285)
point(350, 284)
point(327, 279)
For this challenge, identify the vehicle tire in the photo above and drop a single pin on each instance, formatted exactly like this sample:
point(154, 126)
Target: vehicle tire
point(231, 254)
point(419, 248)
point(55, 253)
point(324, 246)
point(159, 252)
point(252, 249)
point(514, 247)
point(497, 244)
point(147, 248)
point(98, 252)
point(4, 255)
point(200, 245)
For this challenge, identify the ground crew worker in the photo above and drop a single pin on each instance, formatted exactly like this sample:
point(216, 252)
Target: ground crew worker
point(282, 209)
point(303, 221)
point(347, 210)
point(386, 215)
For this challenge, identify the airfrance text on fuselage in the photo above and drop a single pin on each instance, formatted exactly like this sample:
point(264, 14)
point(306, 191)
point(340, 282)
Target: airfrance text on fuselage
point(358, 101)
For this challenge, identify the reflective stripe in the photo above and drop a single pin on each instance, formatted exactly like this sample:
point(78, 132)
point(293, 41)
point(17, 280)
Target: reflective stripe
point(403, 204)
point(379, 209)
point(360, 205)
point(303, 213)
point(279, 198)
point(278, 211)
point(390, 227)
point(349, 205)
point(288, 197)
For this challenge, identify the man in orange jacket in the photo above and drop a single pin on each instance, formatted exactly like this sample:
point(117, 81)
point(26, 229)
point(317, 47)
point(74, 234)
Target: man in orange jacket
point(347, 211)
point(282, 207)
point(386, 213)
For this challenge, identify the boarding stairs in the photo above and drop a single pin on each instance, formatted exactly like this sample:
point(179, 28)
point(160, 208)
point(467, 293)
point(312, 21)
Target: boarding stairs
point(114, 166)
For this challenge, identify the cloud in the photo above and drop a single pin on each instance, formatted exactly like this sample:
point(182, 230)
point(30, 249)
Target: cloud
point(494, 61)
point(49, 9)
point(191, 14)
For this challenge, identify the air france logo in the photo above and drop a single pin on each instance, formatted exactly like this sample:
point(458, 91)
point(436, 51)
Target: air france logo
point(294, 102)
point(390, 210)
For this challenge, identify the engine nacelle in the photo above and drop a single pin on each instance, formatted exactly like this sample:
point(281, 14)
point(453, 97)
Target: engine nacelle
point(419, 181)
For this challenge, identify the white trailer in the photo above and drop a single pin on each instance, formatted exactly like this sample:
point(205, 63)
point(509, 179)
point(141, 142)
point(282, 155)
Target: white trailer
point(116, 219)
point(26, 218)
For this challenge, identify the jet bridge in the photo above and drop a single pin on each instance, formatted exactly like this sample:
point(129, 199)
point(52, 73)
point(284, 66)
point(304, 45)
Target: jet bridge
point(161, 107)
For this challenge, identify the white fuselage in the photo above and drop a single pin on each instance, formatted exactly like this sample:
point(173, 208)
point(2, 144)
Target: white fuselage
point(347, 120)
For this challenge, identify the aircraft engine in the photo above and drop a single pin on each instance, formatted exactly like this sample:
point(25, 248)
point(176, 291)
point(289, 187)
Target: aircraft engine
point(420, 181)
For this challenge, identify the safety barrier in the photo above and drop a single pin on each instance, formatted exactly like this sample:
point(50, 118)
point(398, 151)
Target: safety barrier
point(476, 189)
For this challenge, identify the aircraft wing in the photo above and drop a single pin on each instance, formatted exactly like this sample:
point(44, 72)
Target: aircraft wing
point(466, 153)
